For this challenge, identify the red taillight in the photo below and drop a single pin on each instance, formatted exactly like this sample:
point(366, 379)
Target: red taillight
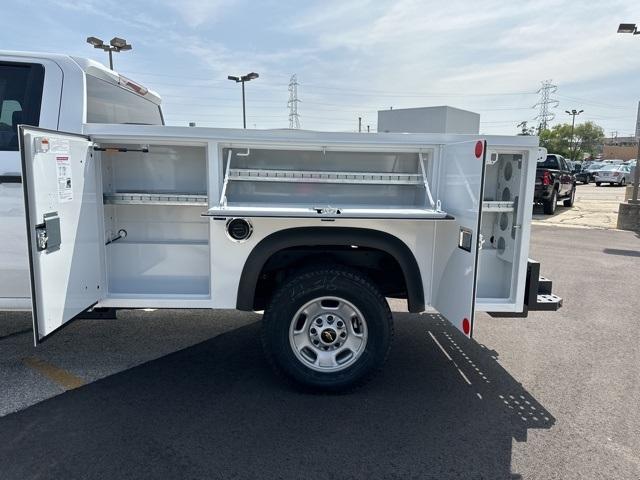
point(479, 148)
point(466, 326)
point(615, 174)
point(546, 178)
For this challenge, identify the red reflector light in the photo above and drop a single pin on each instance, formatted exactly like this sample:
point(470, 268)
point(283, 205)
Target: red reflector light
point(466, 326)
point(546, 178)
point(479, 149)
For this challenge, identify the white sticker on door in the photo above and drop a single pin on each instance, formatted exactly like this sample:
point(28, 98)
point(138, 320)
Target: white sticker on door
point(59, 146)
point(63, 167)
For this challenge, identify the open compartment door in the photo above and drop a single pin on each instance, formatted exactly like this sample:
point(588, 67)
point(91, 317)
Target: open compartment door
point(63, 230)
point(460, 184)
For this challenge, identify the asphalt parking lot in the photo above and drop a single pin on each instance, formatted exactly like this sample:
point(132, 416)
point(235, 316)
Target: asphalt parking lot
point(183, 394)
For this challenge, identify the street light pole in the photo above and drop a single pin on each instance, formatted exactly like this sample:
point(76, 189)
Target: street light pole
point(115, 45)
point(244, 112)
point(573, 113)
point(633, 29)
point(242, 79)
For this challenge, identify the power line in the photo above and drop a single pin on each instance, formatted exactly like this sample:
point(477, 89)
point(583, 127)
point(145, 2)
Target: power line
point(360, 91)
point(545, 104)
point(592, 102)
point(294, 118)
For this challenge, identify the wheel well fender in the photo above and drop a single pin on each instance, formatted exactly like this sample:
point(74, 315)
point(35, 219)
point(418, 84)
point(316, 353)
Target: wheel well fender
point(330, 236)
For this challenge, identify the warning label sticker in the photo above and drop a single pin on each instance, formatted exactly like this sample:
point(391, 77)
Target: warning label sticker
point(63, 167)
point(59, 146)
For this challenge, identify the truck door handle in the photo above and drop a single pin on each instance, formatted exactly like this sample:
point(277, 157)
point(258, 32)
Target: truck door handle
point(48, 233)
point(10, 179)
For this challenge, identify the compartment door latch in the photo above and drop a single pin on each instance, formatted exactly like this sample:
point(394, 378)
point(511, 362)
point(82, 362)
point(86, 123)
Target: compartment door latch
point(48, 233)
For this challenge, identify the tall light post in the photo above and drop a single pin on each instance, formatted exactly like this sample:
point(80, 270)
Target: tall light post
point(115, 45)
point(633, 29)
point(244, 78)
point(573, 113)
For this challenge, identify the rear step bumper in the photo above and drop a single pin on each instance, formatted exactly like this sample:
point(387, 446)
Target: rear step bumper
point(537, 295)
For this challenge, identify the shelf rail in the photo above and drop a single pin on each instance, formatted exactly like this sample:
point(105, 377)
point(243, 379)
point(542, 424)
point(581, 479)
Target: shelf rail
point(148, 198)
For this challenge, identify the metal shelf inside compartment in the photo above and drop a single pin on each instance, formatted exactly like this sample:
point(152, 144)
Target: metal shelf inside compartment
point(156, 198)
point(308, 176)
point(497, 206)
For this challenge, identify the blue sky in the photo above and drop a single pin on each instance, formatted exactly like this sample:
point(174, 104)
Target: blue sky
point(354, 57)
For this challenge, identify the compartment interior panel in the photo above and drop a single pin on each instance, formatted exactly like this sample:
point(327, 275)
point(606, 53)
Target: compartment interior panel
point(158, 268)
point(157, 198)
point(306, 178)
point(500, 230)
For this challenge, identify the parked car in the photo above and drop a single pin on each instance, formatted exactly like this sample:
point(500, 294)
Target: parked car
point(581, 173)
point(592, 169)
point(613, 174)
point(554, 180)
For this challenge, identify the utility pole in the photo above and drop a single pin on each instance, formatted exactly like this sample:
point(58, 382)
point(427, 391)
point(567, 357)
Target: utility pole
point(614, 137)
point(294, 118)
point(242, 79)
point(545, 104)
point(573, 113)
point(368, 131)
point(629, 213)
point(359, 124)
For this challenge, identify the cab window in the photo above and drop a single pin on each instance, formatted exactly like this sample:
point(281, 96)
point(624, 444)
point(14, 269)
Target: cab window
point(550, 162)
point(20, 99)
point(109, 103)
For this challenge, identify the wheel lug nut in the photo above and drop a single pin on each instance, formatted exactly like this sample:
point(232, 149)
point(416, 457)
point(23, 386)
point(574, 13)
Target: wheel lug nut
point(313, 331)
point(340, 324)
point(315, 342)
point(343, 334)
point(318, 321)
point(330, 319)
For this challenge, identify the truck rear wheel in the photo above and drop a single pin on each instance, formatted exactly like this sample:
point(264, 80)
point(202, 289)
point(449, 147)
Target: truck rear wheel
point(327, 328)
point(572, 198)
point(549, 206)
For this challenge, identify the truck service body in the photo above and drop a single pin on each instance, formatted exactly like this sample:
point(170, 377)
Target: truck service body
point(314, 228)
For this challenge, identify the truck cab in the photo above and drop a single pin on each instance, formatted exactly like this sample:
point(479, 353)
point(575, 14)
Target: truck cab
point(55, 92)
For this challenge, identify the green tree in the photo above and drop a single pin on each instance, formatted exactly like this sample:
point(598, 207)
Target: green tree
point(525, 129)
point(557, 139)
point(587, 137)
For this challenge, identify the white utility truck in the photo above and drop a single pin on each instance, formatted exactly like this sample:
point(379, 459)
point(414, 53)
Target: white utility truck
point(316, 229)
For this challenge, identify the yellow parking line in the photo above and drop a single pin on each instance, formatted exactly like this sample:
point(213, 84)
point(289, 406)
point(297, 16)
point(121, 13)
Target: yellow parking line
point(66, 380)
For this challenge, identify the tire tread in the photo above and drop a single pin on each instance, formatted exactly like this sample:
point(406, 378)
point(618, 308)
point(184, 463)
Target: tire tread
point(307, 274)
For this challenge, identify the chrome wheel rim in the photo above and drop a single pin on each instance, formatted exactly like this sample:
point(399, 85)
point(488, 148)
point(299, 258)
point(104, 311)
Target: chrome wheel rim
point(328, 334)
